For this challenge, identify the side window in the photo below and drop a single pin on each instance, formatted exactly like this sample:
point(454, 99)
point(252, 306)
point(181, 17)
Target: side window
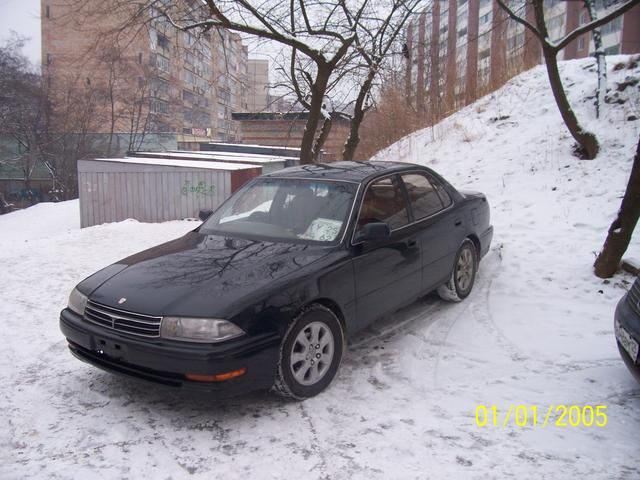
point(384, 202)
point(423, 196)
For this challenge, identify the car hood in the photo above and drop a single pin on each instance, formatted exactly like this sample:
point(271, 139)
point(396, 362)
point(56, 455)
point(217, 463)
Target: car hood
point(199, 275)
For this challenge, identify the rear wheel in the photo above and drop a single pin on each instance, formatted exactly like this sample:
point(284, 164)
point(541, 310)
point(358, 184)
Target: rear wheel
point(310, 353)
point(459, 286)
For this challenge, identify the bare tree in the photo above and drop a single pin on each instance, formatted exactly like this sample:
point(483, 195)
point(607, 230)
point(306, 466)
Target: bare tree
point(601, 63)
point(621, 229)
point(49, 128)
point(317, 30)
point(376, 37)
point(75, 112)
point(389, 120)
point(588, 146)
point(23, 108)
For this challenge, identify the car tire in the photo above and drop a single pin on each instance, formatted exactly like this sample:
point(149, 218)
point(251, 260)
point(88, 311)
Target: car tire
point(465, 267)
point(310, 353)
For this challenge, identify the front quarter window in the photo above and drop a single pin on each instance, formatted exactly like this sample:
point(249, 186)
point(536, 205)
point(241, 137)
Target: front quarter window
point(286, 209)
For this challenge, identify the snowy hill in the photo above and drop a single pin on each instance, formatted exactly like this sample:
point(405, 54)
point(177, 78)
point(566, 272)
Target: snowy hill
point(536, 330)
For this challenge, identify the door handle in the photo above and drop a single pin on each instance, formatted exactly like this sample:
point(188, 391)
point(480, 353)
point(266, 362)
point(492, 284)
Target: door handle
point(412, 242)
point(458, 223)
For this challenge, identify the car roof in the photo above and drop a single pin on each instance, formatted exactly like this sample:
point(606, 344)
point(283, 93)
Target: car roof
point(357, 172)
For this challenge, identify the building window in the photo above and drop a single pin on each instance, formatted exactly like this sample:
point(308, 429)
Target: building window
point(613, 50)
point(484, 54)
point(584, 17)
point(484, 3)
point(555, 23)
point(49, 59)
point(581, 43)
point(515, 42)
point(162, 63)
point(159, 106)
point(485, 18)
point(462, 2)
point(47, 12)
point(140, 58)
point(163, 42)
point(462, 32)
point(613, 26)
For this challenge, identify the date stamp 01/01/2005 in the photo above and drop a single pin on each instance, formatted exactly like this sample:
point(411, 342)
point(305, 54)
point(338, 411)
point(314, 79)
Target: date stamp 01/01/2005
point(532, 416)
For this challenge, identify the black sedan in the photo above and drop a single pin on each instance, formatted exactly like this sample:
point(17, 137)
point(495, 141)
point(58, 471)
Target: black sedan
point(266, 291)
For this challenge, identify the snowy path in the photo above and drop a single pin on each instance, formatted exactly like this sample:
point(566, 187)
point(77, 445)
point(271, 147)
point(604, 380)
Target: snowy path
point(402, 407)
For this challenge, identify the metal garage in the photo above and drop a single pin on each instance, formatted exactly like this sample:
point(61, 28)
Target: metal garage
point(155, 190)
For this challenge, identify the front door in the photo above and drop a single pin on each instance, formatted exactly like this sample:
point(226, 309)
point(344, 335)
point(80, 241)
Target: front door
point(388, 274)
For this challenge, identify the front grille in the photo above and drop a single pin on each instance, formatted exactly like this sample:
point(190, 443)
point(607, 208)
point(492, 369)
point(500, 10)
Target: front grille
point(634, 296)
point(121, 321)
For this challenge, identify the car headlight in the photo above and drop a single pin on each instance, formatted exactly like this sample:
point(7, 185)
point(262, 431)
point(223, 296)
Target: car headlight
point(77, 302)
point(205, 330)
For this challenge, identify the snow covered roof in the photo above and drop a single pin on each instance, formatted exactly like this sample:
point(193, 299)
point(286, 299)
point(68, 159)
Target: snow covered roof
point(169, 162)
point(220, 156)
point(255, 145)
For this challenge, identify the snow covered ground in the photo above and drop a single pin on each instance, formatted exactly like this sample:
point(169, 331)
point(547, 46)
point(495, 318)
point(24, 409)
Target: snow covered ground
point(537, 330)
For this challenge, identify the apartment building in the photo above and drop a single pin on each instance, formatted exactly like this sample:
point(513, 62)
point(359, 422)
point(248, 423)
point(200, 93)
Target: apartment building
point(258, 85)
point(231, 82)
point(150, 76)
point(460, 50)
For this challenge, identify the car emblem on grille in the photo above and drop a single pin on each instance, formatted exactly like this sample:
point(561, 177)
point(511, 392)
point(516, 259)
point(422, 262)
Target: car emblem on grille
point(121, 301)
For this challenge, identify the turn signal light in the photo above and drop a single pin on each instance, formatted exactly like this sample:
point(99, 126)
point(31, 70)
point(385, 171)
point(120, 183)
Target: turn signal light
point(220, 377)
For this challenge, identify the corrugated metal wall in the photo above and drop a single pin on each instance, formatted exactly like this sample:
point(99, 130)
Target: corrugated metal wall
point(112, 191)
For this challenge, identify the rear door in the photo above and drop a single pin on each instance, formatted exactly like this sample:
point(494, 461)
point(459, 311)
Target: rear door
point(438, 226)
point(388, 274)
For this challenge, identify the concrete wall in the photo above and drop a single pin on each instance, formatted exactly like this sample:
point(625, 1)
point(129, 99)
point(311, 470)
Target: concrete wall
point(286, 131)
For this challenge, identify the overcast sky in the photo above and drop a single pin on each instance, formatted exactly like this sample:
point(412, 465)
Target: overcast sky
point(23, 17)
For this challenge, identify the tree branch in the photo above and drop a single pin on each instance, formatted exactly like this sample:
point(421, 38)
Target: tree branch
point(587, 27)
point(522, 21)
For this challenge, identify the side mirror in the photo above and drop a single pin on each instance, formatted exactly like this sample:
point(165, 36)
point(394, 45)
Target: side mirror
point(204, 214)
point(373, 232)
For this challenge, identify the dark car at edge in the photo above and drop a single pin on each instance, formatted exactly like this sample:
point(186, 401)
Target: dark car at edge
point(627, 328)
point(266, 291)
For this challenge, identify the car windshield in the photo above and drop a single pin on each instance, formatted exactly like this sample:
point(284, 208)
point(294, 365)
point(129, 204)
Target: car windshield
point(286, 209)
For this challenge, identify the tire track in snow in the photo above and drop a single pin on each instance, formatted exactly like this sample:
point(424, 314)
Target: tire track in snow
point(315, 443)
point(447, 326)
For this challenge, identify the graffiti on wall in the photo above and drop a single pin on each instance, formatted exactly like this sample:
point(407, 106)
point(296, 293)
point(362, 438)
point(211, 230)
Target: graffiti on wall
point(200, 189)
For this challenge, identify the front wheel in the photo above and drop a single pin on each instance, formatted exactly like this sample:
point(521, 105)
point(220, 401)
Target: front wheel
point(459, 285)
point(310, 353)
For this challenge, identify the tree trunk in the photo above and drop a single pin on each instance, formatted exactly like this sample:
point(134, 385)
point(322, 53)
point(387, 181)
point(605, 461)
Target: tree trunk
point(600, 58)
point(318, 90)
point(322, 137)
point(622, 227)
point(353, 139)
point(587, 142)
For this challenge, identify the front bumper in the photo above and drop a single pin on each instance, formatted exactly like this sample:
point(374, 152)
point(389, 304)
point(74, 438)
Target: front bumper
point(630, 321)
point(166, 362)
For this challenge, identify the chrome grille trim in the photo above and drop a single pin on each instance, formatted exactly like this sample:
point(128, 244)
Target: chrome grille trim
point(123, 321)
